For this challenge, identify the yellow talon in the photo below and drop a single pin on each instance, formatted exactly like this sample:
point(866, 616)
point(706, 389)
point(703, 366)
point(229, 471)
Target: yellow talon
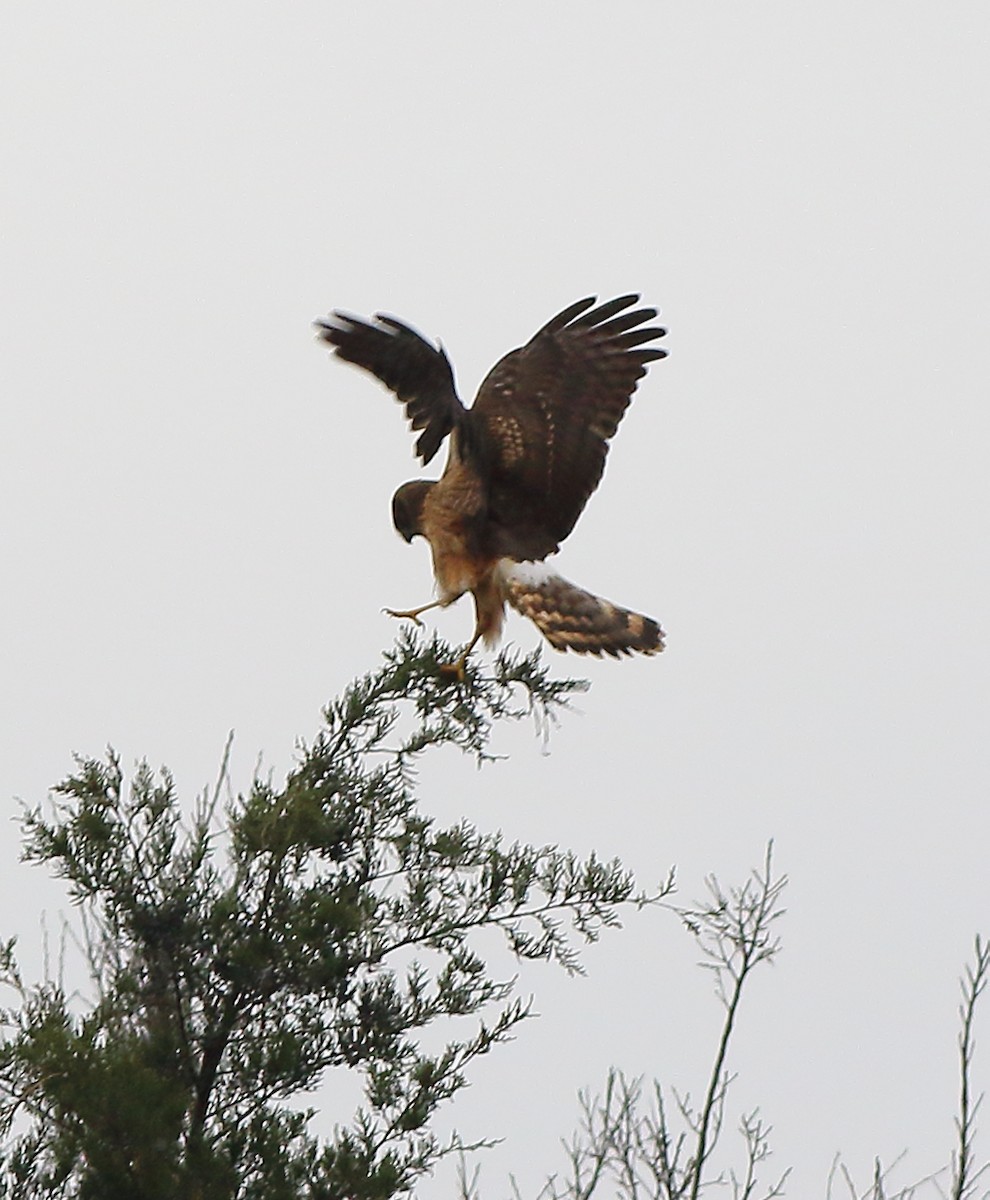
point(410, 615)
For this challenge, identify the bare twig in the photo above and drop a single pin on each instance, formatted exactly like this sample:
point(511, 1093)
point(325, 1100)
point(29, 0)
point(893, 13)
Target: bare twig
point(973, 984)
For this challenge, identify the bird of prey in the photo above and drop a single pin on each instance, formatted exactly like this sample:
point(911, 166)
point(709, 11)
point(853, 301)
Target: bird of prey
point(521, 464)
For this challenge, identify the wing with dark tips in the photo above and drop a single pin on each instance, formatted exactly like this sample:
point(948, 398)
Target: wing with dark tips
point(546, 412)
point(417, 372)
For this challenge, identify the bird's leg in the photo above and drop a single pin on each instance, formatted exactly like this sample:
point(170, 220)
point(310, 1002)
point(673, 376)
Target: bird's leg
point(412, 614)
point(489, 608)
point(455, 670)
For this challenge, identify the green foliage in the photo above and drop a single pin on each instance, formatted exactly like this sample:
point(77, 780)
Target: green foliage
point(323, 927)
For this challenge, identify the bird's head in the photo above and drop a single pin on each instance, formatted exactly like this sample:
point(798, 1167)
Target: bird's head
point(407, 508)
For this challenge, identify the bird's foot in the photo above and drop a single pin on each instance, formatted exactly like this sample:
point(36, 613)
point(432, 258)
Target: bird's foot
point(408, 614)
point(454, 672)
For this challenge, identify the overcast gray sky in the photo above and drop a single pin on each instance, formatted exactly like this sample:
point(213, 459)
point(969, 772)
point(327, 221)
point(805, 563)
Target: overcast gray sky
point(196, 533)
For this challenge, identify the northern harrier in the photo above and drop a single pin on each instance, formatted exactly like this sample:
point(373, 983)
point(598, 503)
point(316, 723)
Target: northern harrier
point(521, 465)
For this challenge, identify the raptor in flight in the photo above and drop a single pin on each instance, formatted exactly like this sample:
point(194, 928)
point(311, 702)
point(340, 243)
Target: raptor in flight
point(521, 464)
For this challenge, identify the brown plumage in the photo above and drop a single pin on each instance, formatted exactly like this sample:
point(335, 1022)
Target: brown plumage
point(522, 462)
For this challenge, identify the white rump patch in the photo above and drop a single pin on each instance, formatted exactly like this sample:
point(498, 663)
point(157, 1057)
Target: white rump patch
point(530, 574)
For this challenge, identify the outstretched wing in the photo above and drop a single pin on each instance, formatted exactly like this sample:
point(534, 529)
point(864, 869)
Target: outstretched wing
point(418, 373)
point(545, 414)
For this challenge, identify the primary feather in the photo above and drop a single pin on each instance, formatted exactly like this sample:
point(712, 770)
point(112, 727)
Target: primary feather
point(523, 460)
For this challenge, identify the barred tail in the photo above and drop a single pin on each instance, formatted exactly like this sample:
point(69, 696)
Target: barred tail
point(573, 619)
